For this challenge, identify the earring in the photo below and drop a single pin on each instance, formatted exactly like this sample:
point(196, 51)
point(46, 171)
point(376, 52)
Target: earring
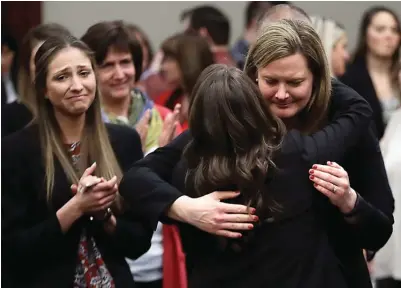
point(257, 80)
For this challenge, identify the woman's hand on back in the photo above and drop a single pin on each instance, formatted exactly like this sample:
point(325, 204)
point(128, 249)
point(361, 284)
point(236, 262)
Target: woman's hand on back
point(209, 214)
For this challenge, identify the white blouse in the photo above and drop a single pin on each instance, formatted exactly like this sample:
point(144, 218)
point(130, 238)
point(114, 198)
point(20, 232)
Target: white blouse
point(387, 262)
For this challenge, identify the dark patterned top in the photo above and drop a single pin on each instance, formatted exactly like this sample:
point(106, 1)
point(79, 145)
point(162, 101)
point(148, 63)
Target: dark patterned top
point(91, 271)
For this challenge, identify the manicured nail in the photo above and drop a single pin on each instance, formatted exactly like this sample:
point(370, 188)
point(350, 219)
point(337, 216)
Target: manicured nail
point(314, 166)
point(314, 184)
point(311, 177)
point(311, 171)
point(250, 226)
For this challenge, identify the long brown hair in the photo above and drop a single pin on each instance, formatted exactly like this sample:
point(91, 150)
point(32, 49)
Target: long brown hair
point(362, 48)
point(192, 54)
point(234, 135)
point(285, 38)
point(95, 144)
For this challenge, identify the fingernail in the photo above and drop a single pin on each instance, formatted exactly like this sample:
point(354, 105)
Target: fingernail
point(311, 171)
point(314, 166)
point(328, 162)
point(256, 218)
point(314, 184)
point(253, 210)
point(250, 226)
point(94, 163)
point(311, 177)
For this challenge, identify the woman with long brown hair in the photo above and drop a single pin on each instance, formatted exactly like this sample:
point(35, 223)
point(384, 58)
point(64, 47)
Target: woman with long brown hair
point(68, 219)
point(373, 68)
point(185, 56)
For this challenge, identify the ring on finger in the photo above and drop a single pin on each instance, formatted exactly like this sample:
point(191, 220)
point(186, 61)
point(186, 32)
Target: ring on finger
point(334, 188)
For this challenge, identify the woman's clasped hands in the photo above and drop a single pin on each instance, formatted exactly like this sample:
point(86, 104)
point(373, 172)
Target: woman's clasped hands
point(94, 195)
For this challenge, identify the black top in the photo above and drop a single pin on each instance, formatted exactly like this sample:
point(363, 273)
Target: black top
point(297, 225)
point(35, 252)
point(357, 77)
point(14, 117)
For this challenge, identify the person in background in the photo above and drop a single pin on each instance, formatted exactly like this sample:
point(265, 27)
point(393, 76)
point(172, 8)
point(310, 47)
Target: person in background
point(210, 23)
point(282, 11)
point(253, 11)
point(9, 50)
point(372, 70)
point(119, 57)
point(186, 55)
point(206, 21)
point(335, 41)
point(386, 268)
point(19, 113)
point(9, 73)
point(185, 19)
point(70, 220)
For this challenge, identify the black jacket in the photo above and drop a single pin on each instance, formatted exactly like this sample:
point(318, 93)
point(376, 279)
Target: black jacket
point(35, 252)
point(357, 77)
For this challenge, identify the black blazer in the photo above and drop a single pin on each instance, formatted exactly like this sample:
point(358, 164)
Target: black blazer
point(35, 252)
point(357, 77)
point(152, 173)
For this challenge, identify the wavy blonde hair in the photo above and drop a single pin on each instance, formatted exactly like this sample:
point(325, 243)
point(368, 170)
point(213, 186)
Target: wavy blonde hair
point(284, 38)
point(95, 145)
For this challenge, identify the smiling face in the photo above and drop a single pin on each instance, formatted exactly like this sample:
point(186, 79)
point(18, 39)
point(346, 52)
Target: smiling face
point(116, 75)
point(70, 82)
point(286, 84)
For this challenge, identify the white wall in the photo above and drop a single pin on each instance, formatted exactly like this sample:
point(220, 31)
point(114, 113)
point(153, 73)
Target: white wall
point(161, 19)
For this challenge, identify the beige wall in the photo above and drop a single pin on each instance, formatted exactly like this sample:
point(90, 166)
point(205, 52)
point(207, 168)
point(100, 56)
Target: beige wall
point(161, 19)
